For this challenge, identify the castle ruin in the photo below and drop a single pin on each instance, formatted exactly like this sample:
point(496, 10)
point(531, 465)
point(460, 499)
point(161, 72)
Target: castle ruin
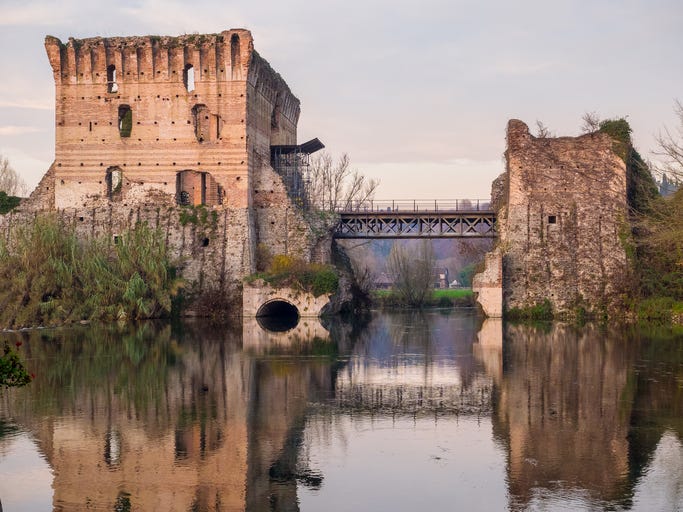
point(147, 126)
point(562, 222)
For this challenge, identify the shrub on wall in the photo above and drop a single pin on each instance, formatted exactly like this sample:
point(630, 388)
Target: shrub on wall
point(286, 270)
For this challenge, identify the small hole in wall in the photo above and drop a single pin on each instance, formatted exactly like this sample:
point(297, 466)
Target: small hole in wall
point(101, 164)
point(272, 222)
point(61, 182)
point(238, 178)
point(116, 239)
point(552, 219)
point(81, 219)
point(205, 242)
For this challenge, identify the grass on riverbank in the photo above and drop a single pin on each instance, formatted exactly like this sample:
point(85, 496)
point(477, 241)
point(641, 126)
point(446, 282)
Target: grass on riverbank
point(457, 297)
point(52, 277)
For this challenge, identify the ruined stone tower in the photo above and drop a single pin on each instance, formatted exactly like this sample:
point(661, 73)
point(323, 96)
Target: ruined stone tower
point(562, 223)
point(190, 116)
point(146, 126)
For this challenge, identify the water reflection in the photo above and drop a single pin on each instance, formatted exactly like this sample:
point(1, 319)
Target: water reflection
point(409, 410)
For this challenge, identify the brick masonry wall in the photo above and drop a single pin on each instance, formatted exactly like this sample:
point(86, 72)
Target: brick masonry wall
point(561, 221)
point(220, 131)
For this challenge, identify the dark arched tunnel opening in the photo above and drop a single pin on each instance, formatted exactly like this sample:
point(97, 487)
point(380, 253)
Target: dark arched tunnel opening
point(277, 316)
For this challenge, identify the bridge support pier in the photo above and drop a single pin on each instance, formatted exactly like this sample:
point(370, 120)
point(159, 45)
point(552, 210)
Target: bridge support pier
point(488, 285)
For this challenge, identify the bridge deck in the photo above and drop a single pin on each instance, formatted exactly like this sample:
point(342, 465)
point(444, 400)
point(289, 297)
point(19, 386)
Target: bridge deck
point(412, 219)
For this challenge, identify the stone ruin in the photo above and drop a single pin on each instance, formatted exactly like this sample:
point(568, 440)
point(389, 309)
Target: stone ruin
point(562, 221)
point(148, 126)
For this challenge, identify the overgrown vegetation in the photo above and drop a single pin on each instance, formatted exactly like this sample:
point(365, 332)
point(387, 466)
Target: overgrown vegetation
point(283, 270)
point(13, 373)
point(539, 312)
point(8, 203)
point(51, 277)
point(657, 233)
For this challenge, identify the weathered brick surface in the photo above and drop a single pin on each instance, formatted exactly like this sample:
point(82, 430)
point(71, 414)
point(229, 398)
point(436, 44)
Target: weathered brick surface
point(563, 211)
point(205, 140)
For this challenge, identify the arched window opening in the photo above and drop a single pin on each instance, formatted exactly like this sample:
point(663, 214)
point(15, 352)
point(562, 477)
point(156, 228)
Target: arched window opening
point(188, 77)
point(202, 123)
point(235, 59)
point(194, 188)
point(125, 120)
point(114, 179)
point(112, 86)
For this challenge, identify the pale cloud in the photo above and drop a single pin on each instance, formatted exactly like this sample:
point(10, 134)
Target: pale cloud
point(18, 130)
point(30, 168)
point(519, 67)
point(27, 104)
point(33, 13)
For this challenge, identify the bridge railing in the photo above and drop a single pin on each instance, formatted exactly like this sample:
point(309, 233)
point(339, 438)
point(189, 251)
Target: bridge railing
point(421, 205)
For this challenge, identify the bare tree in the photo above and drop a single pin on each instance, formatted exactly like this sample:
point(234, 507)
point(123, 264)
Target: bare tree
point(542, 131)
point(334, 185)
point(591, 122)
point(10, 181)
point(413, 269)
point(670, 146)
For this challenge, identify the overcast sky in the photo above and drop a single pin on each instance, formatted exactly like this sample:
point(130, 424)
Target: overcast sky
point(418, 93)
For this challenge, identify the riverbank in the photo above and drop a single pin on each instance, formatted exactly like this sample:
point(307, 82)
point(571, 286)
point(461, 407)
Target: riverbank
point(439, 298)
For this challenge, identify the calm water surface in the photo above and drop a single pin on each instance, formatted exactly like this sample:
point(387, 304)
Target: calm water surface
point(410, 411)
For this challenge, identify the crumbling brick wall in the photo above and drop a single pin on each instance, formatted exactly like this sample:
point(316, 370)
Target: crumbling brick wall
point(147, 126)
point(562, 221)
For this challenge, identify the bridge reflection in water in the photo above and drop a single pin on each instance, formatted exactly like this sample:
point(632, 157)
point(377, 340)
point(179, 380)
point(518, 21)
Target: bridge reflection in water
point(409, 408)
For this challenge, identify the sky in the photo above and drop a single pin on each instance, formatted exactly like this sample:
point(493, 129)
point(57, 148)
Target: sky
point(417, 93)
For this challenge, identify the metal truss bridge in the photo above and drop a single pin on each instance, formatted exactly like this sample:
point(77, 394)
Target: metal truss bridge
point(460, 218)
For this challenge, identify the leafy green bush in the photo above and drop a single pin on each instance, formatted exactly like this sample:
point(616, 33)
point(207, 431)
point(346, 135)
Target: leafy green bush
point(8, 203)
point(538, 312)
point(52, 277)
point(13, 373)
point(285, 270)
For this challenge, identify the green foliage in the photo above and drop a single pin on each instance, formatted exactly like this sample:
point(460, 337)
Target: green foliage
point(656, 309)
point(538, 312)
point(198, 215)
point(443, 298)
point(13, 373)
point(51, 277)
point(8, 203)
point(641, 187)
point(285, 270)
point(659, 248)
point(467, 273)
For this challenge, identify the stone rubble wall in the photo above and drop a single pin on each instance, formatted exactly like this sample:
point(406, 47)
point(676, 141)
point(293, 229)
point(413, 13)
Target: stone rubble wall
point(561, 222)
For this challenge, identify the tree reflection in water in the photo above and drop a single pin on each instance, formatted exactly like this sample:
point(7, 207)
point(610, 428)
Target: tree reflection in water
point(161, 417)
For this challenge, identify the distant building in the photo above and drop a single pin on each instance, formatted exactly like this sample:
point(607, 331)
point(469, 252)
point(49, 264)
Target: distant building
point(668, 186)
point(441, 278)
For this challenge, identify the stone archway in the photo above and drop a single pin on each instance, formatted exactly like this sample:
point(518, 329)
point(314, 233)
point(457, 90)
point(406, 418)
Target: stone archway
point(278, 315)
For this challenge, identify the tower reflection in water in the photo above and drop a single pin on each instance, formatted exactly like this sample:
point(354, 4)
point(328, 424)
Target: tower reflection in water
point(189, 418)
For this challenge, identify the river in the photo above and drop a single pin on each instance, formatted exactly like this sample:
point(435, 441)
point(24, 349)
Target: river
point(426, 411)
